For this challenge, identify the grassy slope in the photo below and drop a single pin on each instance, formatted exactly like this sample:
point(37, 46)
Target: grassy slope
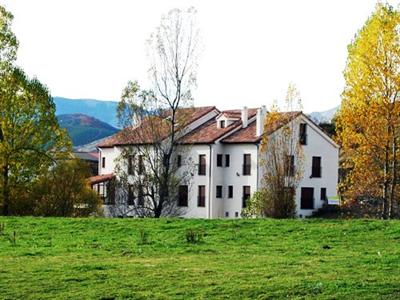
point(103, 258)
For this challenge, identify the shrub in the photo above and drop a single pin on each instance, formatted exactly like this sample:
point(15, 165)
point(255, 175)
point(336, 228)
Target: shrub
point(143, 237)
point(193, 236)
point(64, 191)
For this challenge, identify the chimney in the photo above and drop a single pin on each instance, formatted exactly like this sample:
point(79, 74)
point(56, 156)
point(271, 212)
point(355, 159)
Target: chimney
point(245, 115)
point(260, 118)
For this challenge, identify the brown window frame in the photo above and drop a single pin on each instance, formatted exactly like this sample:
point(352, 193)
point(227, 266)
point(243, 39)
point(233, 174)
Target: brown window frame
point(323, 194)
point(246, 164)
point(245, 195)
point(230, 191)
point(201, 196)
point(141, 168)
point(140, 197)
point(131, 195)
point(227, 160)
point(183, 196)
point(220, 158)
point(179, 161)
point(202, 164)
point(218, 191)
point(316, 167)
point(303, 133)
point(131, 160)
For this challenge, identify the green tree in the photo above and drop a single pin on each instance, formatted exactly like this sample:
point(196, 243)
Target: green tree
point(369, 119)
point(30, 138)
point(8, 41)
point(64, 191)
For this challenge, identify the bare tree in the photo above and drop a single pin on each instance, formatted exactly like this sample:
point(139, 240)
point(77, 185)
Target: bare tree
point(281, 162)
point(148, 170)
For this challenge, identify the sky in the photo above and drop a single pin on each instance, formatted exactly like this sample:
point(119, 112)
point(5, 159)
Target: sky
point(252, 49)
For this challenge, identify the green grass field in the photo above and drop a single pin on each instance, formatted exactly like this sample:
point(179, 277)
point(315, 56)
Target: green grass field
point(234, 259)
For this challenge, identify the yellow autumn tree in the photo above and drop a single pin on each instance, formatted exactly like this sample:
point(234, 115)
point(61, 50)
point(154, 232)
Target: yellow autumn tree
point(368, 121)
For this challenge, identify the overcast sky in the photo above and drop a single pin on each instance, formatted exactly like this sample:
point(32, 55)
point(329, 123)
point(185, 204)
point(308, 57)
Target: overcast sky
point(252, 49)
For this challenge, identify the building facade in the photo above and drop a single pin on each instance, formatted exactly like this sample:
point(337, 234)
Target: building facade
point(224, 148)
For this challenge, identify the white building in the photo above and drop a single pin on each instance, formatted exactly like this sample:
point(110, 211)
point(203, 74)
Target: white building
point(225, 146)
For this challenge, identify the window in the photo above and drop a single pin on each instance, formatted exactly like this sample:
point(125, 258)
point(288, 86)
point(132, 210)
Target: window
point(179, 161)
point(102, 191)
point(183, 195)
point(201, 196)
point(307, 198)
point(289, 165)
point(303, 134)
point(222, 123)
point(219, 160)
point(227, 160)
point(316, 166)
point(140, 200)
point(202, 164)
point(131, 195)
point(246, 195)
point(130, 164)
point(103, 162)
point(246, 164)
point(230, 191)
point(236, 214)
point(227, 214)
point(140, 165)
point(219, 191)
point(323, 194)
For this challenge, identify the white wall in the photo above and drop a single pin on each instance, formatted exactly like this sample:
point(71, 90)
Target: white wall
point(233, 175)
point(110, 154)
point(193, 210)
point(318, 145)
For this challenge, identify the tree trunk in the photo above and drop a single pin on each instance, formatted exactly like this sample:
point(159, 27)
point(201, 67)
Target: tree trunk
point(6, 190)
point(385, 209)
point(393, 210)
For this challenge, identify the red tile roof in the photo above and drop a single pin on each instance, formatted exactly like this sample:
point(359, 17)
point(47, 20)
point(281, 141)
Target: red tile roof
point(237, 113)
point(248, 134)
point(153, 129)
point(243, 135)
point(100, 178)
point(209, 132)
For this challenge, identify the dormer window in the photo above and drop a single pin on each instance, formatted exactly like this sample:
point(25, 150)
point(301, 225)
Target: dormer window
point(222, 124)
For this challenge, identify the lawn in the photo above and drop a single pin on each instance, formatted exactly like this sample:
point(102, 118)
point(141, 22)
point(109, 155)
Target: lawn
point(57, 258)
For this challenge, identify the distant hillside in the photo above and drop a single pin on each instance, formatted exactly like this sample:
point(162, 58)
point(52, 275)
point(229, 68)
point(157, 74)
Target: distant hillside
point(84, 129)
point(102, 110)
point(324, 116)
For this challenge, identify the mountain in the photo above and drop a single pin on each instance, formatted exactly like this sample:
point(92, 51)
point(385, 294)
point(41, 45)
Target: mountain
point(102, 110)
point(324, 116)
point(84, 129)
